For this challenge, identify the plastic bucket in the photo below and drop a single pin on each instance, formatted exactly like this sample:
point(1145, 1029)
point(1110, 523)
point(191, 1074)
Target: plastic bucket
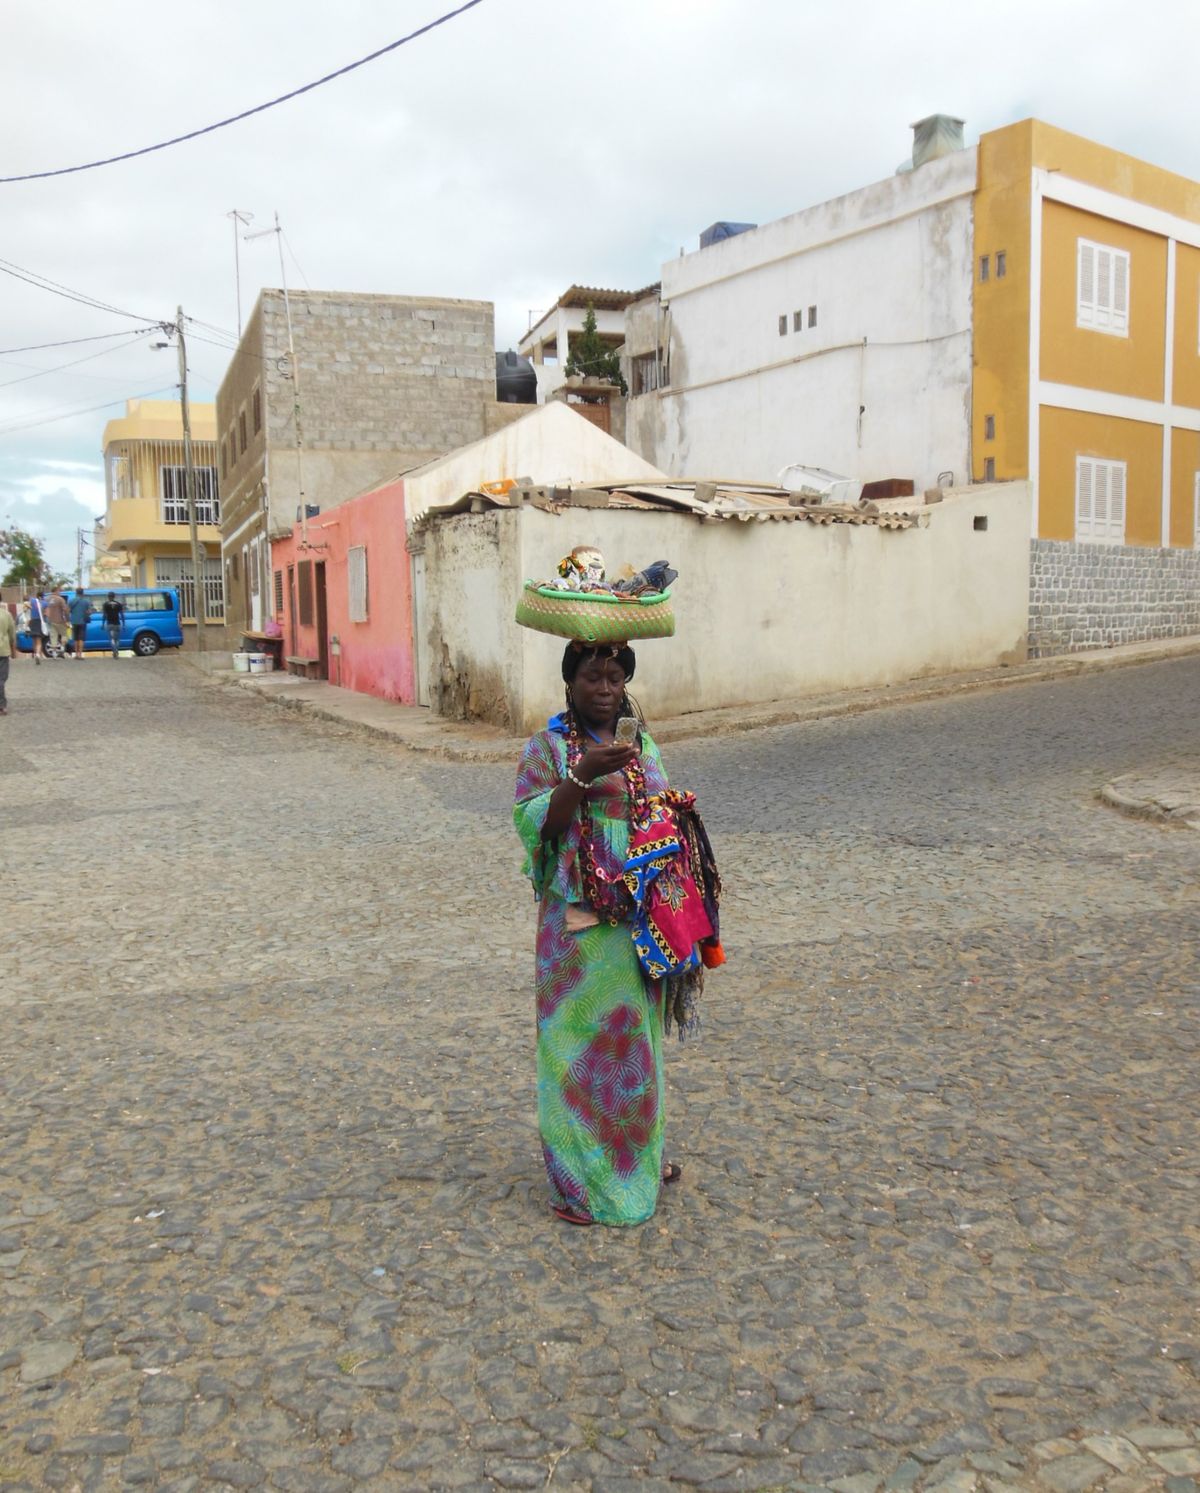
point(241, 663)
point(260, 663)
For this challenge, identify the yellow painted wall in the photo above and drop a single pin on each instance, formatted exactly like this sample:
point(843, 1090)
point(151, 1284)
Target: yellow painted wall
point(1098, 360)
point(1185, 463)
point(1001, 306)
point(1087, 160)
point(1185, 383)
point(1065, 434)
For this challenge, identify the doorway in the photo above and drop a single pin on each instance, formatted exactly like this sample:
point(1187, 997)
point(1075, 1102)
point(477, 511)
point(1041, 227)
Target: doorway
point(322, 620)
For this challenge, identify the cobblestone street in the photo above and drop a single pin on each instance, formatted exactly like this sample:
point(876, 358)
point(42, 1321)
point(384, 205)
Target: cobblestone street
point(271, 1198)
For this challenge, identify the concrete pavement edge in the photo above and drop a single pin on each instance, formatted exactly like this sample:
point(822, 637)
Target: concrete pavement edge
point(460, 741)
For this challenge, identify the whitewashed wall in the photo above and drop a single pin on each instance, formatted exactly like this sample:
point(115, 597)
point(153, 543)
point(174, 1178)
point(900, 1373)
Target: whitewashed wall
point(891, 264)
point(765, 611)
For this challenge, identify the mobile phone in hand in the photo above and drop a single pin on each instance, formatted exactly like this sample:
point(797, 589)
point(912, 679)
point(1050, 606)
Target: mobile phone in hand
point(626, 733)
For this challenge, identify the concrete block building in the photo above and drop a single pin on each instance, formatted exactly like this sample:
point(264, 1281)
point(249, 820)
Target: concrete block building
point(380, 384)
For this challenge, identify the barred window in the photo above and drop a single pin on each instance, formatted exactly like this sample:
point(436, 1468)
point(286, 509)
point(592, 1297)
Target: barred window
point(180, 574)
point(279, 593)
point(172, 487)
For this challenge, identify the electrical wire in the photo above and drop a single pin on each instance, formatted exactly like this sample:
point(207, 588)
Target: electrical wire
point(35, 347)
point(87, 358)
point(288, 245)
point(283, 98)
point(42, 282)
point(10, 429)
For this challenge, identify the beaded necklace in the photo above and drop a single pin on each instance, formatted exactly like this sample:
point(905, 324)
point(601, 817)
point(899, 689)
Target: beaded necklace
point(609, 899)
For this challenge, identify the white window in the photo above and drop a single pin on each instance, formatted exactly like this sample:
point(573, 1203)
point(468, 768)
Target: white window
point(172, 487)
point(1099, 500)
point(1196, 514)
point(356, 581)
point(1102, 288)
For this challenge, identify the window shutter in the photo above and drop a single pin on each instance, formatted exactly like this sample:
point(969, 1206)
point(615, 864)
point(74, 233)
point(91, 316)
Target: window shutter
point(304, 589)
point(356, 582)
point(1116, 500)
point(1087, 283)
point(1120, 290)
point(1083, 497)
point(1100, 499)
point(1103, 308)
point(1196, 515)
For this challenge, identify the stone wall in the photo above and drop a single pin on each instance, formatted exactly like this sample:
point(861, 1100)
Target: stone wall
point(1098, 595)
point(386, 383)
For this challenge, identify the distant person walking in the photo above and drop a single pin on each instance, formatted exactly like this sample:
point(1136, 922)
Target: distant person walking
point(58, 615)
point(81, 610)
point(37, 625)
point(114, 615)
point(8, 651)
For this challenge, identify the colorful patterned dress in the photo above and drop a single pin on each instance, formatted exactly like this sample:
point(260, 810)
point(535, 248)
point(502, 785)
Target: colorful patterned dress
point(599, 1026)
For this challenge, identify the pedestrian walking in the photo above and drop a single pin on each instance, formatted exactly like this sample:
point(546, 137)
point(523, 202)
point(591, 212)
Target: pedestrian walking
point(81, 610)
point(627, 919)
point(58, 616)
point(8, 651)
point(37, 625)
point(114, 615)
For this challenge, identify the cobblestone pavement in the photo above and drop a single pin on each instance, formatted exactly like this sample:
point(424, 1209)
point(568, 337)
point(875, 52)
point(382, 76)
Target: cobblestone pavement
point(271, 1203)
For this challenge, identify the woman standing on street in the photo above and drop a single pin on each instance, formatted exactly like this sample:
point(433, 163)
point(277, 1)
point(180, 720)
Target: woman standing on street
point(583, 800)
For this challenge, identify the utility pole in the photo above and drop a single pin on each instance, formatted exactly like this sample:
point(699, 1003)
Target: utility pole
point(189, 475)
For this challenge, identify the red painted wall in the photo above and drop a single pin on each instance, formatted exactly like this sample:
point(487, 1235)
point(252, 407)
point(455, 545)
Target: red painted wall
point(376, 655)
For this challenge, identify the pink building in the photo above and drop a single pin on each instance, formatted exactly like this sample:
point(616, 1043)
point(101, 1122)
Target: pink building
point(344, 597)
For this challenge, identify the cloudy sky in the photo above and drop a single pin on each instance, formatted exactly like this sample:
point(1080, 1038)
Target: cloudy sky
point(525, 145)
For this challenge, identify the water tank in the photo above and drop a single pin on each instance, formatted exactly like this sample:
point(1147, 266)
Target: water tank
point(715, 232)
point(516, 381)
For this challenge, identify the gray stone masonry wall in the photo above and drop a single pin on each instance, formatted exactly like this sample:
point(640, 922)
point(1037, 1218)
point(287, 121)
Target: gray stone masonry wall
point(381, 373)
point(1099, 595)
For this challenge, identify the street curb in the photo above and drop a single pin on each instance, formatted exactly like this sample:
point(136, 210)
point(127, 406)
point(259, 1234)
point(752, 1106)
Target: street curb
point(1146, 809)
point(453, 748)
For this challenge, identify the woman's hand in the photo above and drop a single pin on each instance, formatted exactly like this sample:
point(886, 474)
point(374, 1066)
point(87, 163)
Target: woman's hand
point(598, 761)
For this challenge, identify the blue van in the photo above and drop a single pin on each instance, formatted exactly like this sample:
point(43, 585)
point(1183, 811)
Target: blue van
point(151, 620)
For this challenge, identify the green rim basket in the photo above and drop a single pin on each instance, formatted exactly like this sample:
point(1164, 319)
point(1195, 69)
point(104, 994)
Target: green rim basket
point(594, 617)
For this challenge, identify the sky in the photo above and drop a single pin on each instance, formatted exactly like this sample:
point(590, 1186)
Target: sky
point(524, 146)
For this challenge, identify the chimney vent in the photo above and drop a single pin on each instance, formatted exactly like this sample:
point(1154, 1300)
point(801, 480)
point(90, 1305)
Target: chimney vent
point(935, 136)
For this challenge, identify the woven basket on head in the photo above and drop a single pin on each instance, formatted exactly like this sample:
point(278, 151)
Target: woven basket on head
point(596, 617)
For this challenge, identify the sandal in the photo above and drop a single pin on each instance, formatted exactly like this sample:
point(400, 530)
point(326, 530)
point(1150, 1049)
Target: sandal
point(568, 1216)
point(672, 1171)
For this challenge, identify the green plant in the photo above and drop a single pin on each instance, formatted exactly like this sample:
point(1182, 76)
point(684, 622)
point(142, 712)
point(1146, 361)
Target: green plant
point(26, 559)
point(592, 356)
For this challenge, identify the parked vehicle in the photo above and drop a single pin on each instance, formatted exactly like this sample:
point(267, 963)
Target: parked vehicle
point(151, 621)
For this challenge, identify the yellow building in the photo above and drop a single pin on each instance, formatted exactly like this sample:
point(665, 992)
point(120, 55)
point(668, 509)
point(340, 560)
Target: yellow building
point(1087, 337)
point(147, 516)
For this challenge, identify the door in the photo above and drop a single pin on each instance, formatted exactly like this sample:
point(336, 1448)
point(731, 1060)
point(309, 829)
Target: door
point(291, 601)
point(418, 627)
point(322, 620)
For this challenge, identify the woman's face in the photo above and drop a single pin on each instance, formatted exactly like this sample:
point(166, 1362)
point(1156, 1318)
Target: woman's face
point(597, 689)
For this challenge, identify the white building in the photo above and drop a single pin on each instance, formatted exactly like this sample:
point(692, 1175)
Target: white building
point(838, 337)
point(547, 343)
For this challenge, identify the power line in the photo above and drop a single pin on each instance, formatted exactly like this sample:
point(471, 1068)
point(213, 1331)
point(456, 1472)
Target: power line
point(41, 282)
point(87, 358)
point(88, 410)
point(146, 150)
point(35, 347)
